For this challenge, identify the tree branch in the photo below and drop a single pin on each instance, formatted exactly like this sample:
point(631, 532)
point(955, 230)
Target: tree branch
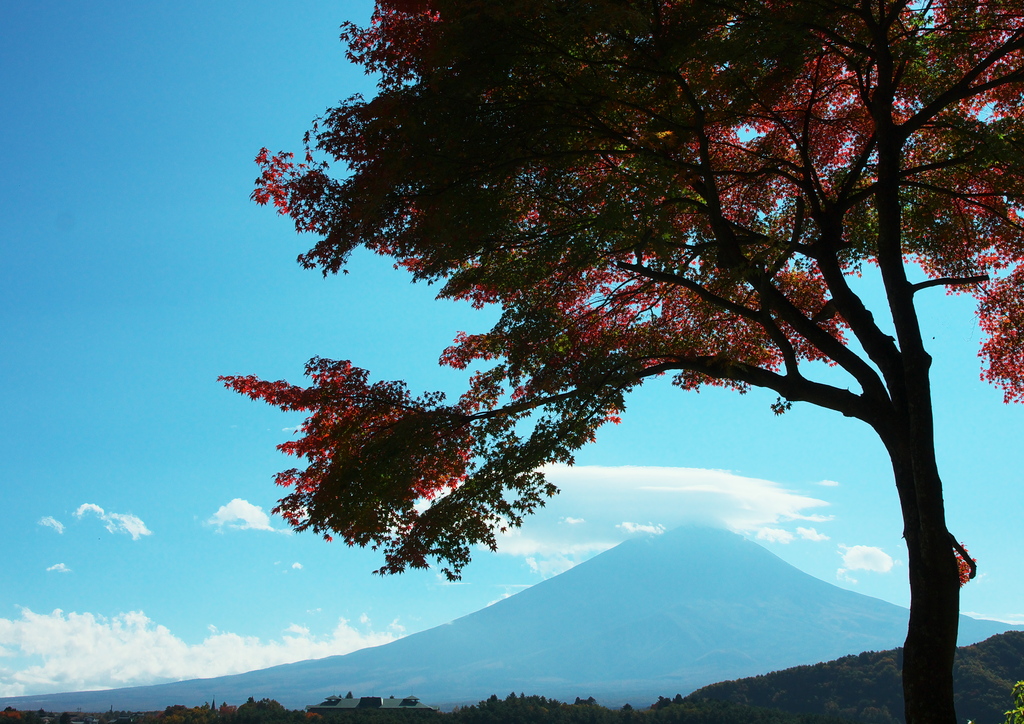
point(950, 281)
point(963, 89)
point(793, 387)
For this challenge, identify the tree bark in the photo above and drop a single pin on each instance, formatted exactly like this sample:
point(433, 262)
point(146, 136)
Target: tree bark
point(908, 432)
point(934, 590)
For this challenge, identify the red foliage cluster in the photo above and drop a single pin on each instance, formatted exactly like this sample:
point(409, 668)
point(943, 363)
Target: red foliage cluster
point(967, 571)
point(407, 25)
point(667, 188)
point(295, 189)
point(355, 429)
point(1001, 317)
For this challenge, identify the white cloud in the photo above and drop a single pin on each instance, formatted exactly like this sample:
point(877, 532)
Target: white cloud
point(775, 535)
point(811, 534)
point(842, 575)
point(604, 497)
point(515, 543)
point(681, 495)
point(51, 522)
point(816, 518)
point(548, 555)
point(59, 568)
point(866, 558)
point(633, 528)
point(778, 535)
point(73, 652)
point(242, 515)
point(510, 590)
point(828, 483)
point(502, 597)
point(297, 566)
point(551, 566)
point(116, 522)
point(1014, 619)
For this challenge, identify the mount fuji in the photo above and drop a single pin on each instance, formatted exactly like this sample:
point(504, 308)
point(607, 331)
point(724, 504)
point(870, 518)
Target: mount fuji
point(653, 616)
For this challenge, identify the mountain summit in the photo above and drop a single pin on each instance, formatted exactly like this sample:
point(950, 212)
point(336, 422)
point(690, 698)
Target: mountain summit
point(658, 615)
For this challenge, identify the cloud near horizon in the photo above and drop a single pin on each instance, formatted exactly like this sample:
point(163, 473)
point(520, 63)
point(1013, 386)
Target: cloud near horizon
point(643, 528)
point(811, 534)
point(778, 535)
point(116, 522)
point(240, 514)
point(1014, 619)
point(775, 535)
point(80, 651)
point(863, 558)
point(609, 498)
point(866, 558)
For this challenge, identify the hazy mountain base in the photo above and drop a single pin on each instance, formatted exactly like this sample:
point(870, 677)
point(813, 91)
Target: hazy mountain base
point(866, 687)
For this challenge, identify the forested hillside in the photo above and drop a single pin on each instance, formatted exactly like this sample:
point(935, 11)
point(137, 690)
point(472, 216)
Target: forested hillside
point(866, 687)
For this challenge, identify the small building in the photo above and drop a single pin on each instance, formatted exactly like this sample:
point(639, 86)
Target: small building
point(367, 703)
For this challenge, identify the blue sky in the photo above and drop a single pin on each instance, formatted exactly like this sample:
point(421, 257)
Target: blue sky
point(136, 490)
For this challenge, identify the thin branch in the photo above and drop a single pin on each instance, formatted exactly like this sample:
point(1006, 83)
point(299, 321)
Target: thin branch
point(605, 380)
point(690, 285)
point(950, 281)
point(963, 89)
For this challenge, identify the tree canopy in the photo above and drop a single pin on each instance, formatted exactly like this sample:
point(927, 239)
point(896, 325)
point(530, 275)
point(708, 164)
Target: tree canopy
point(689, 188)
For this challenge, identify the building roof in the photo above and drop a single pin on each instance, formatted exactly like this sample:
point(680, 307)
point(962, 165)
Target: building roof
point(337, 703)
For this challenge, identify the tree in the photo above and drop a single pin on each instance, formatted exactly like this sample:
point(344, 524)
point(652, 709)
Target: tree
point(1016, 714)
point(659, 187)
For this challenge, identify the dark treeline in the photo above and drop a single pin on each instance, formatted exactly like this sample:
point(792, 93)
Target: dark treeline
point(514, 709)
point(866, 687)
point(539, 710)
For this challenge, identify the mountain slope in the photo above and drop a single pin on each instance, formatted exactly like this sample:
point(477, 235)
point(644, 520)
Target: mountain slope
point(663, 614)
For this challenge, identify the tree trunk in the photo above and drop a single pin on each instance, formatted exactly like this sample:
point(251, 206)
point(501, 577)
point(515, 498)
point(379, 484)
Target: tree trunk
point(908, 433)
point(934, 593)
